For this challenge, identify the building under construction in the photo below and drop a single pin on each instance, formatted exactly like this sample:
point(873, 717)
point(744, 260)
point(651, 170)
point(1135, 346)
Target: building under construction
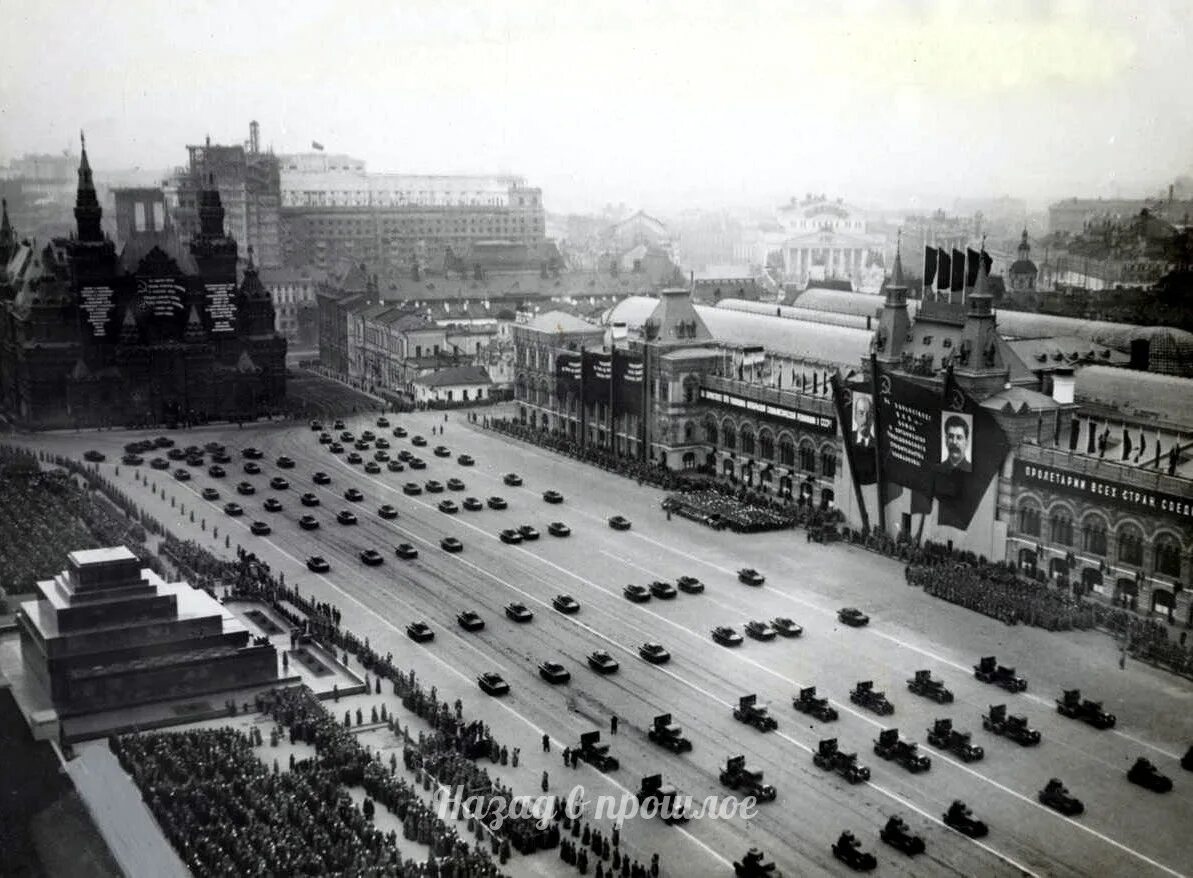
point(249, 184)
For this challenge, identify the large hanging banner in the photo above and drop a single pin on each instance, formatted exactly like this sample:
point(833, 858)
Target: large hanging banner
point(910, 438)
point(628, 374)
point(221, 307)
point(855, 412)
point(598, 375)
point(567, 375)
point(161, 307)
point(940, 445)
point(99, 306)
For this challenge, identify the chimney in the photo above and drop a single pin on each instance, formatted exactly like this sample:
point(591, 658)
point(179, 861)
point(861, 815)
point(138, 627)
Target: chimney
point(254, 137)
point(1063, 384)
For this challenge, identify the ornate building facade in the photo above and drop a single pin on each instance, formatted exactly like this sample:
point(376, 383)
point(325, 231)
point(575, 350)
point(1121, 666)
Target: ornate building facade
point(152, 332)
point(1084, 480)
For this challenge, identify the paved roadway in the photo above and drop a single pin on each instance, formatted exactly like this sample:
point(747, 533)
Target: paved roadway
point(1125, 831)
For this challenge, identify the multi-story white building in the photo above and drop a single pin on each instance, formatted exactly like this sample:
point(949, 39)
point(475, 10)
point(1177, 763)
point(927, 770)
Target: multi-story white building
point(293, 293)
point(333, 207)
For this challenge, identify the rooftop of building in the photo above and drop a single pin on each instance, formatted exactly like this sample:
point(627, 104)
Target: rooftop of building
point(794, 313)
point(1016, 400)
point(1064, 352)
point(455, 377)
point(284, 275)
point(1170, 349)
point(791, 338)
point(1165, 399)
point(514, 286)
point(561, 321)
point(841, 301)
point(87, 557)
point(715, 273)
point(701, 353)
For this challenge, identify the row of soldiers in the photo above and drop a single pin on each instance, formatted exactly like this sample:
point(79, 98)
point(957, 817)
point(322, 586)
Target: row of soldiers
point(1010, 600)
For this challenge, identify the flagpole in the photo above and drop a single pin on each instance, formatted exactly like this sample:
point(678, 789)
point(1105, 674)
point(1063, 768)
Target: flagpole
point(583, 405)
point(877, 409)
point(612, 438)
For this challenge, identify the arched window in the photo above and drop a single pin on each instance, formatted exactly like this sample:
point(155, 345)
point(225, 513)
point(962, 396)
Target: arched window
point(786, 450)
point(520, 386)
point(766, 445)
point(689, 433)
point(691, 389)
point(807, 456)
point(1168, 555)
point(747, 439)
point(1029, 520)
point(728, 435)
point(1060, 524)
point(710, 432)
point(1130, 545)
point(828, 462)
point(1093, 535)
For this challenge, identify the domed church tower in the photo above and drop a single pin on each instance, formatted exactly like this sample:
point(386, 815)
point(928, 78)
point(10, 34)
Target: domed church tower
point(1023, 273)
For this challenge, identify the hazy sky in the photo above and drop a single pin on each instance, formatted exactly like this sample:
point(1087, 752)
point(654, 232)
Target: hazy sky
point(657, 104)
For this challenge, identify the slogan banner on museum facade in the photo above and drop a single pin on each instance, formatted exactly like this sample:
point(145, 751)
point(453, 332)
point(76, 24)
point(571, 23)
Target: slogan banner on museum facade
point(1105, 492)
point(160, 297)
point(221, 307)
point(810, 420)
point(97, 304)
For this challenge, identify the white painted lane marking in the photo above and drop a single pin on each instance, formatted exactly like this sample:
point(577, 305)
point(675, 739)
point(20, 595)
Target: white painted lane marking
point(890, 638)
point(755, 664)
point(498, 702)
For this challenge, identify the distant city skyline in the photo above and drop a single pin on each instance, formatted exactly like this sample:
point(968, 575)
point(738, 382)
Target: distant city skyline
point(665, 106)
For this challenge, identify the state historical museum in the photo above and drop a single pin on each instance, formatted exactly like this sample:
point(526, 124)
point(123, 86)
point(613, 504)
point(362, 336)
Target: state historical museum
point(156, 333)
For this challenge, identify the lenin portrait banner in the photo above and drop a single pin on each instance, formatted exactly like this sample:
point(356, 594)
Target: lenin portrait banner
point(598, 374)
point(567, 375)
point(628, 374)
point(854, 405)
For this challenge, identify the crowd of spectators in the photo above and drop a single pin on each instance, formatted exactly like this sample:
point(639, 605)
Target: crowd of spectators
point(447, 756)
point(339, 751)
point(51, 506)
point(999, 591)
point(645, 473)
point(226, 813)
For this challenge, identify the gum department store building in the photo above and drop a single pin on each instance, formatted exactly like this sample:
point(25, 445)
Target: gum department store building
point(1096, 490)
